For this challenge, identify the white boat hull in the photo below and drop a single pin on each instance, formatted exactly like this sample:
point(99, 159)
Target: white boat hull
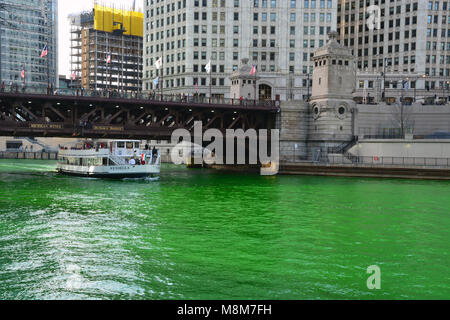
point(117, 159)
point(111, 172)
point(270, 170)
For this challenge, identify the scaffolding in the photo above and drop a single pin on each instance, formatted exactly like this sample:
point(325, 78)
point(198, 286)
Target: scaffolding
point(102, 33)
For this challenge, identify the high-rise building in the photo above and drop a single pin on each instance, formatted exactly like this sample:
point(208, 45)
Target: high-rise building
point(277, 36)
point(106, 49)
point(406, 54)
point(26, 28)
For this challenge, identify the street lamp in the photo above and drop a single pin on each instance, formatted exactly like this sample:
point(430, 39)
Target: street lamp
point(424, 85)
point(403, 91)
point(448, 89)
point(384, 79)
point(415, 86)
point(308, 88)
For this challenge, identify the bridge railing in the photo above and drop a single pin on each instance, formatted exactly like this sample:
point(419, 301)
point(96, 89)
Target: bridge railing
point(152, 96)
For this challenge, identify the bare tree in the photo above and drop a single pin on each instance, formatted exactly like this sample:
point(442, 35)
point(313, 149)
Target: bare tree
point(402, 118)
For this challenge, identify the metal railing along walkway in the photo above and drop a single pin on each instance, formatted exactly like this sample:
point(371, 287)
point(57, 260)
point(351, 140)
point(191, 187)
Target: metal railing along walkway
point(148, 96)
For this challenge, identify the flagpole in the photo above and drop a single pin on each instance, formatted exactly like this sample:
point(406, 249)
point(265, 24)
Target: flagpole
point(162, 74)
point(255, 83)
point(110, 71)
point(210, 83)
point(23, 73)
point(110, 55)
point(48, 52)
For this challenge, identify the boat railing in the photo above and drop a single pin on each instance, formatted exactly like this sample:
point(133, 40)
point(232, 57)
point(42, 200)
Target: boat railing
point(149, 155)
point(117, 160)
point(157, 160)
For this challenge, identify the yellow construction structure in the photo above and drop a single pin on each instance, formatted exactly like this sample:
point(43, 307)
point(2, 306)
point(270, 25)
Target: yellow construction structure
point(107, 49)
point(109, 20)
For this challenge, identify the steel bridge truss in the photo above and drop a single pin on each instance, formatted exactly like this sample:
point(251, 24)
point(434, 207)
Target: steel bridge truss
point(28, 115)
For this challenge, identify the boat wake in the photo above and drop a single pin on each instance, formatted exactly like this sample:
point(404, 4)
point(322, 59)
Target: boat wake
point(148, 179)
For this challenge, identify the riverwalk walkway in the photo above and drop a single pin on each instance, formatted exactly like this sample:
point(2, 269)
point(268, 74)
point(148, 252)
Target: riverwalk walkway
point(375, 170)
point(28, 155)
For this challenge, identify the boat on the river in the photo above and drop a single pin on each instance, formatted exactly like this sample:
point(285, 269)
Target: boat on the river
point(270, 169)
point(118, 159)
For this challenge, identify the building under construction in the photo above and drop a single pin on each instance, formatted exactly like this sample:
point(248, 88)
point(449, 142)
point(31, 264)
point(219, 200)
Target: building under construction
point(107, 49)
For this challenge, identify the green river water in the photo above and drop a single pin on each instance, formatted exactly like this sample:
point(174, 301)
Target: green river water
point(199, 234)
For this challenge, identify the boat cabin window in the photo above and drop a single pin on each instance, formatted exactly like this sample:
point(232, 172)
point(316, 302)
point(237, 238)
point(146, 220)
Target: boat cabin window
point(136, 145)
point(129, 145)
point(120, 145)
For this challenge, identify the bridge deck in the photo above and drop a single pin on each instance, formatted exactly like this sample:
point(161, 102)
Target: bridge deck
point(177, 101)
point(140, 116)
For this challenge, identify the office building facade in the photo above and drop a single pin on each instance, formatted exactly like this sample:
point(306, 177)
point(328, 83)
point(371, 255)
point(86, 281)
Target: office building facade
point(407, 54)
point(279, 37)
point(26, 27)
point(107, 49)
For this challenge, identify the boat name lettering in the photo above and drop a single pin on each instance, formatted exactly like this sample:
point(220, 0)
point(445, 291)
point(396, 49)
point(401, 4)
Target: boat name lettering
point(119, 168)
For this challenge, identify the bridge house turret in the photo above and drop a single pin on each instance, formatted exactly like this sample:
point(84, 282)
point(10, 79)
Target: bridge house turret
point(243, 83)
point(332, 106)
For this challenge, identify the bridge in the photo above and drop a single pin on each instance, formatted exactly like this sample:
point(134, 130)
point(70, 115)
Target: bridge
point(110, 115)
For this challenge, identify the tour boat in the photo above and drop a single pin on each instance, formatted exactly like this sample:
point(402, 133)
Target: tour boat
point(270, 169)
point(118, 159)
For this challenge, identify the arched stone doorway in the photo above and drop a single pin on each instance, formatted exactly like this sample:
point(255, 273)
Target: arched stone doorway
point(265, 92)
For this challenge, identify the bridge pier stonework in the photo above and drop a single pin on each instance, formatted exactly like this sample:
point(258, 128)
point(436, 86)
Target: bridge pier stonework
point(332, 106)
point(294, 122)
point(309, 131)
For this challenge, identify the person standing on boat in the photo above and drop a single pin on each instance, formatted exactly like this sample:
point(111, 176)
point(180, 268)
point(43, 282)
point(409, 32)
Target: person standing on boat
point(154, 154)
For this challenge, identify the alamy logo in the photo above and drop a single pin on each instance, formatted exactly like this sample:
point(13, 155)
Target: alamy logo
point(374, 281)
point(260, 144)
point(374, 20)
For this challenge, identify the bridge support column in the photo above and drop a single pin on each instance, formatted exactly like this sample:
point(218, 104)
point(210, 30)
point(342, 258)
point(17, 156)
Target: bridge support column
point(13, 109)
point(44, 107)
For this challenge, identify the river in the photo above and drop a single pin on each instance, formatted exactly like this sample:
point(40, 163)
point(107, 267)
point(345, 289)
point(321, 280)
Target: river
point(200, 234)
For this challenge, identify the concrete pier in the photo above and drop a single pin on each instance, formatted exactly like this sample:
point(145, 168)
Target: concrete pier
point(29, 155)
point(351, 170)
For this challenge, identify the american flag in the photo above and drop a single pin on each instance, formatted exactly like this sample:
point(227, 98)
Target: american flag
point(74, 76)
point(44, 51)
point(108, 60)
point(158, 63)
point(253, 71)
point(208, 67)
point(22, 73)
